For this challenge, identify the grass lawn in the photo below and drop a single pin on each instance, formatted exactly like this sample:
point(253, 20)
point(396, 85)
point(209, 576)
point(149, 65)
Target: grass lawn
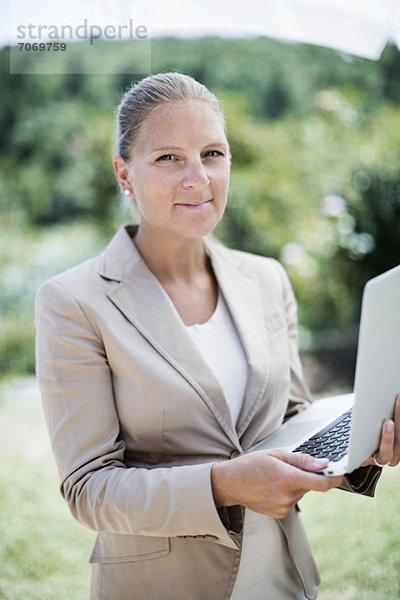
point(44, 552)
point(356, 541)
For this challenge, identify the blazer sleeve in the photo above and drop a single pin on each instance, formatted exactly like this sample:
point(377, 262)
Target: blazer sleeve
point(299, 393)
point(77, 394)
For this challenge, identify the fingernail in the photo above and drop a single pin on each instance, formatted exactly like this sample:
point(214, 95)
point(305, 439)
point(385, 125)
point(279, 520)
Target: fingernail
point(388, 427)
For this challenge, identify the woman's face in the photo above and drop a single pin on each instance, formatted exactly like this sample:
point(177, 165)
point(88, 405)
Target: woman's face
point(179, 170)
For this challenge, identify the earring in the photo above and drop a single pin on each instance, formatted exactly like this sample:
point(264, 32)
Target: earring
point(127, 193)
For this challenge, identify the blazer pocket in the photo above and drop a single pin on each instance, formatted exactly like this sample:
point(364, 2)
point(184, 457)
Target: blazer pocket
point(117, 548)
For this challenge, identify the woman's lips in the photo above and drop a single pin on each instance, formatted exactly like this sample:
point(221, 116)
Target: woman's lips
point(194, 205)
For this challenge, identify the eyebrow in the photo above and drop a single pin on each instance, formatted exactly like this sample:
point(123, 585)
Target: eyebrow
point(212, 144)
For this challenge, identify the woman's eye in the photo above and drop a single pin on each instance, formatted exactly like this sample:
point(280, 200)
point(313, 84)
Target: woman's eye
point(212, 153)
point(165, 157)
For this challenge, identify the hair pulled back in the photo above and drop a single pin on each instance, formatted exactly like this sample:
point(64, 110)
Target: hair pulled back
point(143, 97)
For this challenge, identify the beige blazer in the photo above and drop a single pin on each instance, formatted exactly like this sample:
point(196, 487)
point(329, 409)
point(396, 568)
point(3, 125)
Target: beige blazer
point(137, 418)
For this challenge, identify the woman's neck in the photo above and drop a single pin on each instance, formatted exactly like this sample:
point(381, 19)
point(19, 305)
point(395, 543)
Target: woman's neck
point(172, 258)
point(183, 268)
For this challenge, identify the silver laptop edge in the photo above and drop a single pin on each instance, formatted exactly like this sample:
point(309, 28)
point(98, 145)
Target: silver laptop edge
point(377, 381)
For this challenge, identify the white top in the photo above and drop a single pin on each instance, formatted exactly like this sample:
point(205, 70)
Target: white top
point(220, 346)
point(262, 566)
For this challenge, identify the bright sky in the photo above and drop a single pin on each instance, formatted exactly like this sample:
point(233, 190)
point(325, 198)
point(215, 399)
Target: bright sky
point(355, 26)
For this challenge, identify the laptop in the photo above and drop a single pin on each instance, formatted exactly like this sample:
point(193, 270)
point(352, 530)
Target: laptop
point(347, 428)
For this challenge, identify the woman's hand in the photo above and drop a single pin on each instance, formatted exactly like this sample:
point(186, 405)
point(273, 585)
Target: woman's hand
point(389, 447)
point(270, 481)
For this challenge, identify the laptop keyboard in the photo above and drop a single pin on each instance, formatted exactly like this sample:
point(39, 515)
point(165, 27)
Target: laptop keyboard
point(332, 442)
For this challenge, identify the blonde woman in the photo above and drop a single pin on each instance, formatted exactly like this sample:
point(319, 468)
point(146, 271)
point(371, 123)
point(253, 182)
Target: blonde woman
point(164, 358)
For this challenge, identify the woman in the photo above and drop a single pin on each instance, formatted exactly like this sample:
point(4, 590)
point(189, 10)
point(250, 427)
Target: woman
point(163, 359)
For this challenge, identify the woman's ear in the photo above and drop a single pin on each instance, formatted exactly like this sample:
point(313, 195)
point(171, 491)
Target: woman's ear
point(122, 174)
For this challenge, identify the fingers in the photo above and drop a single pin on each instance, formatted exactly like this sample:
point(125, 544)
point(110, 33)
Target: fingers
point(389, 446)
point(304, 476)
point(385, 452)
point(335, 481)
point(303, 461)
point(269, 482)
point(320, 483)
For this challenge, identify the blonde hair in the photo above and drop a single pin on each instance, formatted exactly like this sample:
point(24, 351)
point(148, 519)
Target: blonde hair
point(143, 97)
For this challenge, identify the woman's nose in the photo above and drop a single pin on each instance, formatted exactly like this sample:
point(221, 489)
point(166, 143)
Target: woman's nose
point(195, 175)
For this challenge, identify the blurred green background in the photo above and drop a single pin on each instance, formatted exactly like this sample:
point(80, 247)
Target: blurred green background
point(315, 139)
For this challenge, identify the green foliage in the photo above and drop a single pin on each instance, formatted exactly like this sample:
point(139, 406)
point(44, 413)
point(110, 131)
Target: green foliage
point(279, 202)
point(370, 241)
point(305, 124)
point(27, 258)
point(17, 342)
point(278, 78)
point(61, 164)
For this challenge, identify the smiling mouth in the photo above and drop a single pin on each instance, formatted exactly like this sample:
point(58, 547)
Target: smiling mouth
point(194, 205)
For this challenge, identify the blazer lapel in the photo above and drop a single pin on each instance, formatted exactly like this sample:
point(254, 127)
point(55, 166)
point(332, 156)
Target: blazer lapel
point(140, 297)
point(242, 294)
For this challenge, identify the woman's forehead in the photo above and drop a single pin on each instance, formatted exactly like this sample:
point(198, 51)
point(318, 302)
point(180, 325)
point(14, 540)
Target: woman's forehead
point(180, 124)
